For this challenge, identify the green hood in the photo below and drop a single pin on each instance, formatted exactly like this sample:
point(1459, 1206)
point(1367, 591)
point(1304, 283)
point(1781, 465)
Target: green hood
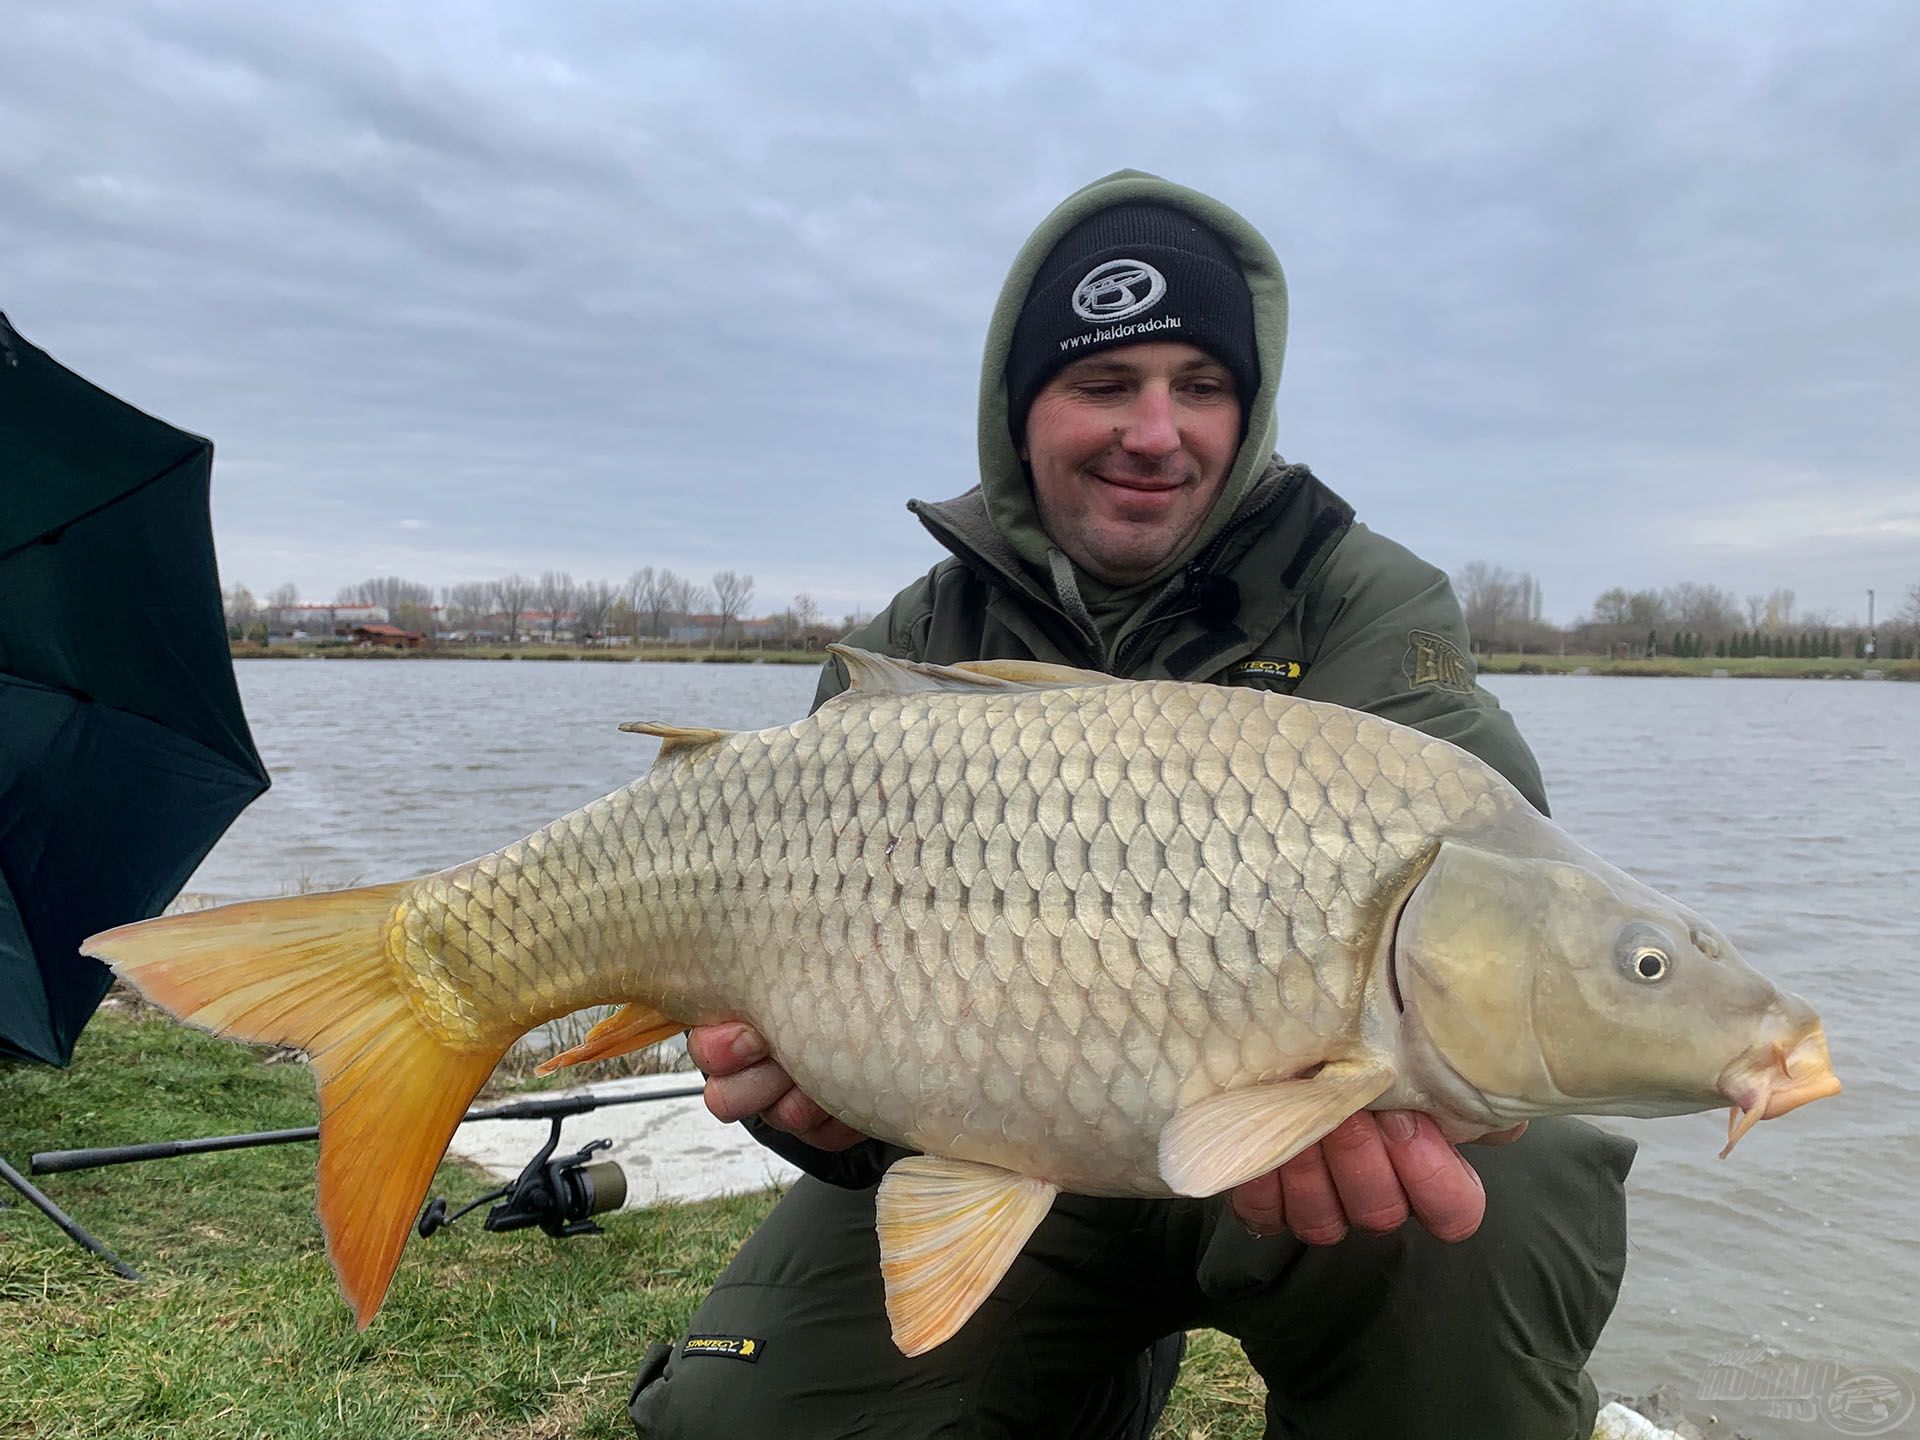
point(1003, 479)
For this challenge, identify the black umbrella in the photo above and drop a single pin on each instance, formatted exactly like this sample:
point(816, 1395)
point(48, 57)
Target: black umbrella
point(124, 753)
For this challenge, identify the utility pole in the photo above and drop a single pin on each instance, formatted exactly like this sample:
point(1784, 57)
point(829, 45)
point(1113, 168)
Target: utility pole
point(1870, 637)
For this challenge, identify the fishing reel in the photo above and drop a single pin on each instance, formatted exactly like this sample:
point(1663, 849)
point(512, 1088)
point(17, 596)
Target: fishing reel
point(557, 1195)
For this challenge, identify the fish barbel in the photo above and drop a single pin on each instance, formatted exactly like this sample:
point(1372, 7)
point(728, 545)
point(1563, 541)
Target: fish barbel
point(1051, 930)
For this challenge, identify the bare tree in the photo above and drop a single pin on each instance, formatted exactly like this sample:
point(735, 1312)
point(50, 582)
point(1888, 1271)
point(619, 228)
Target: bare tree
point(1779, 614)
point(407, 602)
point(1489, 595)
point(1612, 607)
point(467, 605)
point(556, 596)
point(593, 602)
point(639, 594)
point(806, 617)
point(242, 610)
point(511, 597)
point(1910, 613)
point(1756, 607)
point(683, 597)
point(731, 593)
point(1703, 609)
point(656, 595)
point(280, 606)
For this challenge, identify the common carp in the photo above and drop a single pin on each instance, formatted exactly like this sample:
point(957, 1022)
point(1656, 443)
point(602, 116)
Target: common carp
point(1051, 930)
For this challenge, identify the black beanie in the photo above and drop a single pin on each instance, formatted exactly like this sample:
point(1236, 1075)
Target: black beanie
point(1130, 274)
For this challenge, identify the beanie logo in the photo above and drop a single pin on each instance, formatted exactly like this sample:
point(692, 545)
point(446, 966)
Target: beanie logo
point(1117, 289)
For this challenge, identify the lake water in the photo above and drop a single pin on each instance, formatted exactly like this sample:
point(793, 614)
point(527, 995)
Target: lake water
point(1788, 811)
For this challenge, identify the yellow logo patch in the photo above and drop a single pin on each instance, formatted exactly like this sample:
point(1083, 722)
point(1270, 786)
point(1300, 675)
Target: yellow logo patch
point(1265, 668)
point(734, 1347)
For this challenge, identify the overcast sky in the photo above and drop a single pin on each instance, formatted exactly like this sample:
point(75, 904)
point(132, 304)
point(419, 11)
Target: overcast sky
point(1617, 294)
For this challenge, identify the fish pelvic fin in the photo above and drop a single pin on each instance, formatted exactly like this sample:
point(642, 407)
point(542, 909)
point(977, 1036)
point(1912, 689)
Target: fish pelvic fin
point(949, 1230)
point(312, 972)
point(1227, 1139)
point(632, 1027)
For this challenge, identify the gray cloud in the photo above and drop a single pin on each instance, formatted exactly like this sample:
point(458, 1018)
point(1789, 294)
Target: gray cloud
point(1618, 295)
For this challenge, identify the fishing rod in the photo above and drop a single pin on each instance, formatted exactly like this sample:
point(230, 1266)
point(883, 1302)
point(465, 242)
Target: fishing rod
point(559, 1195)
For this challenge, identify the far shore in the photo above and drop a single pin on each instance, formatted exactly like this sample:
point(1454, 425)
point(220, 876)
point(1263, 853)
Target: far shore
point(1787, 668)
point(1713, 666)
point(621, 654)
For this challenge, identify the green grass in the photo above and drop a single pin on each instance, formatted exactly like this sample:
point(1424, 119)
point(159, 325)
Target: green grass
point(238, 1329)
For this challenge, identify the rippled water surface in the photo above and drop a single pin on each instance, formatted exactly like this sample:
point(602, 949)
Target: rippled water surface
point(1788, 811)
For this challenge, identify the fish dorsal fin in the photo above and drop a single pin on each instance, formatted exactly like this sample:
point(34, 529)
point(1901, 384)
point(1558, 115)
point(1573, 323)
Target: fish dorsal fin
point(676, 738)
point(871, 674)
point(1037, 673)
point(632, 1027)
point(948, 1231)
point(1227, 1139)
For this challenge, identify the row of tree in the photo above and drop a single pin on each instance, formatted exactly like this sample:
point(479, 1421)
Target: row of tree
point(650, 604)
point(1503, 614)
point(1806, 645)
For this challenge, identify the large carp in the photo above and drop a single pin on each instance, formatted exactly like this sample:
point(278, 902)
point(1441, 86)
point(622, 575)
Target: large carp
point(1052, 930)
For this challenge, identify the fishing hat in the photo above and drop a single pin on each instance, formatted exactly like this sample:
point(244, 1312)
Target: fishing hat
point(1131, 273)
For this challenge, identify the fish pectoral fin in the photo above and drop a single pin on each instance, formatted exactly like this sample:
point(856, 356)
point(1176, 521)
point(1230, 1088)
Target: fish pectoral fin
point(948, 1231)
point(1225, 1140)
point(630, 1028)
point(675, 738)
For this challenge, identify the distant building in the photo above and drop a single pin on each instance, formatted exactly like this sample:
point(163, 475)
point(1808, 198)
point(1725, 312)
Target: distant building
point(548, 624)
point(386, 635)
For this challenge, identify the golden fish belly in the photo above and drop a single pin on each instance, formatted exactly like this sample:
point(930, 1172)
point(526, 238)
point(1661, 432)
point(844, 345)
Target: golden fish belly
point(1016, 927)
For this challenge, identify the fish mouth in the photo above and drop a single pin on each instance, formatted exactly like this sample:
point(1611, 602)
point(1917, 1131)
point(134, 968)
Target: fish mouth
point(1780, 1078)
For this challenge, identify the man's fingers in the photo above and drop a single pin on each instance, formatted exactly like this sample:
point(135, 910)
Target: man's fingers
point(1503, 1137)
point(1260, 1204)
point(1369, 1188)
point(1313, 1208)
point(832, 1135)
point(747, 1092)
point(1441, 1186)
point(725, 1048)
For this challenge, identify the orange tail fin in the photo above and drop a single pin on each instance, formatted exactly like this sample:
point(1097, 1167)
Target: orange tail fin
point(312, 971)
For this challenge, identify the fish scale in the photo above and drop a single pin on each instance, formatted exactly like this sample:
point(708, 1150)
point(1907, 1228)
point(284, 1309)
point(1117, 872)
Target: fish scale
point(1027, 954)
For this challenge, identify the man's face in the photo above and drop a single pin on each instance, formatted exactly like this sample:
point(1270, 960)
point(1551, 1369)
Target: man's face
point(1129, 449)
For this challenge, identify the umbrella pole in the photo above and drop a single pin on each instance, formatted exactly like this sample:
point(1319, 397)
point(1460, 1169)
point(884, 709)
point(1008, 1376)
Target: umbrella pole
point(65, 1221)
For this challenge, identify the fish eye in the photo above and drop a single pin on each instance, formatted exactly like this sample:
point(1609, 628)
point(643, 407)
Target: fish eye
point(1644, 953)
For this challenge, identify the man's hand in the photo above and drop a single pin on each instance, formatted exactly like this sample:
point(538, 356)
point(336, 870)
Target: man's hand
point(1372, 1172)
point(743, 1080)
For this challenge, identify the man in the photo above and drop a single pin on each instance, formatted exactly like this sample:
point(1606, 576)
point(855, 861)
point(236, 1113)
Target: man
point(1132, 518)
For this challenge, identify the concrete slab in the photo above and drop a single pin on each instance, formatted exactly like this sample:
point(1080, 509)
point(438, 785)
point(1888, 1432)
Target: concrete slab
point(669, 1149)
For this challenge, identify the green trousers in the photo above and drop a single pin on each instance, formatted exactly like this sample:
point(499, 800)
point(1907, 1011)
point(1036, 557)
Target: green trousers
point(1377, 1338)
